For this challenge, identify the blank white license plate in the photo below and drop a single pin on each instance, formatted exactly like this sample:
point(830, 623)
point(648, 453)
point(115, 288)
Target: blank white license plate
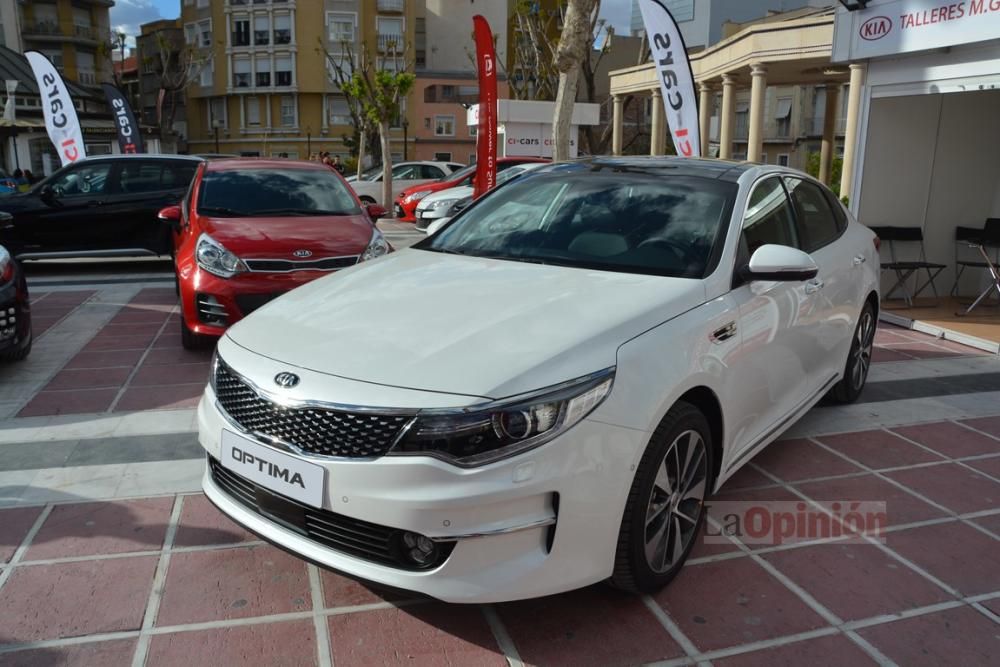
point(276, 471)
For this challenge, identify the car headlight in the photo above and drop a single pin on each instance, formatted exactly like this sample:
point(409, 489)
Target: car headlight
point(418, 195)
point(486, 433)
point(377, 247)
point(217, 259)
point(441, 203)
point(459, 205)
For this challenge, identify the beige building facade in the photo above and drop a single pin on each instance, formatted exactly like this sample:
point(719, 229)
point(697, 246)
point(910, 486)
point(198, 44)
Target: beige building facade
point(768, 93)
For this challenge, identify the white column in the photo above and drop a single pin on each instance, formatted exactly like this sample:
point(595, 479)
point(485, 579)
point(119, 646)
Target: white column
point(726, 116)
point(758, 86)
point(617, 127)
point(829, 131)
point(858, 71)
point(656, 125)
point(704, 114)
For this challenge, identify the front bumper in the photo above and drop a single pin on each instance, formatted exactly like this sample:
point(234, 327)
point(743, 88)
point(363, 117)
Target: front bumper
point(15, 313)
point(536, 524)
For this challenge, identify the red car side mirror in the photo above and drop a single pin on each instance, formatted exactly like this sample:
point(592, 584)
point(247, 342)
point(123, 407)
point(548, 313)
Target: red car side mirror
point(171, 215)
point(375, 211)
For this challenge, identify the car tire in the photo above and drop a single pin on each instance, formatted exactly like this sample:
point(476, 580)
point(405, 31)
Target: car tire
point(663, 519)
point(192, 341)
point(365, 199)
point(19, 353)
point(859, 359)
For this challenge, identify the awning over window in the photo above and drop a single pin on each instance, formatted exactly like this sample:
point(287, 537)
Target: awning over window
point(742, 107)
point(784, 107)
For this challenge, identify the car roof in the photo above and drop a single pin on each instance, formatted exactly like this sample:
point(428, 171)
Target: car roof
point(723, 170)
point(141, 156)
point(237, 163)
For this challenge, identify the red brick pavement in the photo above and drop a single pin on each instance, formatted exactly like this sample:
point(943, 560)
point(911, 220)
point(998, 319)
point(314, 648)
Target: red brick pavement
point(78, 581)
point(49, 308)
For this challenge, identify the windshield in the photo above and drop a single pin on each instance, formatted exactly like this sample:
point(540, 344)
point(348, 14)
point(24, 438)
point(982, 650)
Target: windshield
point(262, 192)
point(634, 222)
point(457, 175)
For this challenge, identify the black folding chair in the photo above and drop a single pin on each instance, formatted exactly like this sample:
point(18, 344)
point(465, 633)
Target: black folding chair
point(987, 240)
point(968, 241)
point(892, 238)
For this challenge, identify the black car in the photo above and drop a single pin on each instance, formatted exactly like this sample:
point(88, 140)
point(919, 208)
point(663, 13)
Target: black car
point(15, 308)
point(98, 207)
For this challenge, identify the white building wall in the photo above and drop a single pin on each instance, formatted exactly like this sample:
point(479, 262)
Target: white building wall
point(449, 32)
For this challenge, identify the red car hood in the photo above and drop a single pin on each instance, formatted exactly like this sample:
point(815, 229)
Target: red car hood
point(278, 238)
point(433, 186)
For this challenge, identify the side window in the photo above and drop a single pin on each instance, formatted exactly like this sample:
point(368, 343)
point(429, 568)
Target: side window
point(407, 173)
point(838, 210)
point(86, 179)
point(137, 177)
point(177, 176)
point(430, 171)
point(769, 217)
point(817, 226)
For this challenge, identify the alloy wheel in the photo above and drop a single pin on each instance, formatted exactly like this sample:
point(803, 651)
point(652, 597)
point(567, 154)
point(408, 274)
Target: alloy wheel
point(864, 343)
point(675, 501)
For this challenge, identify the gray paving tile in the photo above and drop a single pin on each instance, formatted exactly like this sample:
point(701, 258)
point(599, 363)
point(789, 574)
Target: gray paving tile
point(136, 449)
point(34, 455)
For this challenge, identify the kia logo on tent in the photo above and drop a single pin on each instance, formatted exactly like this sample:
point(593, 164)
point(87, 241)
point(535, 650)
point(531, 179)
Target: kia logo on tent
point(876, 27)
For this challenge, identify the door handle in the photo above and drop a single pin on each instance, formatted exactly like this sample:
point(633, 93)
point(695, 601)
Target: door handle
point(859, 260)
point(814, 286)
point(94, 202)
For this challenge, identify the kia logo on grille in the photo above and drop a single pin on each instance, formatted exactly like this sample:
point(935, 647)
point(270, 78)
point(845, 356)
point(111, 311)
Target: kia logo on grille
point(286, 380)
point(876, 27)
point(303, 253)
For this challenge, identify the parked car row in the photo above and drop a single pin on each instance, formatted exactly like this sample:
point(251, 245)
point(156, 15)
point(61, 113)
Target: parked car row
point(15, 306)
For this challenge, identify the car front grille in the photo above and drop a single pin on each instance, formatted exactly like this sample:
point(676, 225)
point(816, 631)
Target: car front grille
point(287, 265)
point(311, 430)
point(354, 537)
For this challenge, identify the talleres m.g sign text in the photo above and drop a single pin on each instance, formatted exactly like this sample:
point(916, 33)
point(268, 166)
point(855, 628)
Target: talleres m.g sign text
point(911, 25)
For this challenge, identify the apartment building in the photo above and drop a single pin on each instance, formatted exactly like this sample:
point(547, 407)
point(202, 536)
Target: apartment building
point(69, 32)
point(267, 87)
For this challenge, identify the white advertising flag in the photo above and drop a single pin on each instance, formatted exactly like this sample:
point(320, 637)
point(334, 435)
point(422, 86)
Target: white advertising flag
point(673, 69)
point(61, 121)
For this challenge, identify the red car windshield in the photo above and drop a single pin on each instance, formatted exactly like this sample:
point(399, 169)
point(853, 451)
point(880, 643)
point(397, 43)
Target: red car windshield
point(272, 192)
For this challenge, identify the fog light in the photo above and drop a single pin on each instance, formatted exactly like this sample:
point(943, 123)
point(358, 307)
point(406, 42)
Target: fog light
point(419, 549)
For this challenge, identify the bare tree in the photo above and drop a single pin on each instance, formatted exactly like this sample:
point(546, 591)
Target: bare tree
point(574, 45)
point(379, 92)
point(178, 66)
point(340, 72)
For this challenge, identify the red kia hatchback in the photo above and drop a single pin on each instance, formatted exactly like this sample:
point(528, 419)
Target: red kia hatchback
point(250, 230)
point(405, 206)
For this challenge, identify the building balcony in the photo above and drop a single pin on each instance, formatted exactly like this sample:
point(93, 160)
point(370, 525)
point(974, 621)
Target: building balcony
point(391, 43)
point(51, 31)
point(393, 6)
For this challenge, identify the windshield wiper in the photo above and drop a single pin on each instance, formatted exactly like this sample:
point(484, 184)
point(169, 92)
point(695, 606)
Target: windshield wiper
point(299, 211)
point(222, 210)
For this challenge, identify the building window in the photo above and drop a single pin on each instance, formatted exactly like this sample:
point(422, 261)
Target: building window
point(783, 116)
point(442, 157)
point(742, 125)
point(444, 126)
point(783, 159)
point(283, 70)
point(191, 33)
point(263, 72)
point(205, 32)
point(390, 35)
point(473, 130)
point(261, 30)
point(85, 68)
point(207, 74)
point(288, 111)
point(338, 111)
point(203, 3)
point(217, 113)
point(241, 73)
point(340, 27)
point(763, 158)
point(253, 111)
point(241, 32)
point(282, 29)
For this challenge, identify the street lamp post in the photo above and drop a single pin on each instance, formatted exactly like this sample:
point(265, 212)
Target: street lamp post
point(308, 142)
point(406, 143)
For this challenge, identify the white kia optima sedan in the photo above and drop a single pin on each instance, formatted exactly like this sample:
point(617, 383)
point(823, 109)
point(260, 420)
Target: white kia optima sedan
point(542, 395)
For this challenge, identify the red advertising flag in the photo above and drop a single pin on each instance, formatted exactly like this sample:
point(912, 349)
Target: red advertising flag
point(486, 137)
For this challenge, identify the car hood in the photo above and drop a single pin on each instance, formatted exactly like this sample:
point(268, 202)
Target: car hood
point(278, 238)
point(463, 325)
point(451, 193)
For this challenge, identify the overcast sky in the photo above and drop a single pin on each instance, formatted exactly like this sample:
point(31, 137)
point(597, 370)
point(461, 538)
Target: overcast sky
point(128, 15)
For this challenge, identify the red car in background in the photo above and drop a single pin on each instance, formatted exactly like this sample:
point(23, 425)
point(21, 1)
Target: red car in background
point(250, 230)
point(405, 205)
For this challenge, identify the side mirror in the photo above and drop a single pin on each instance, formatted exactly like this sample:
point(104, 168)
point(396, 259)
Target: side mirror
point(375, 211)
point(170, 215)
point(779, 262)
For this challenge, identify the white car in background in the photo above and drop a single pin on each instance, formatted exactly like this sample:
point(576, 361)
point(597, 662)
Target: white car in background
point(404, 174)
point(436, 209)
point(543, 394)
